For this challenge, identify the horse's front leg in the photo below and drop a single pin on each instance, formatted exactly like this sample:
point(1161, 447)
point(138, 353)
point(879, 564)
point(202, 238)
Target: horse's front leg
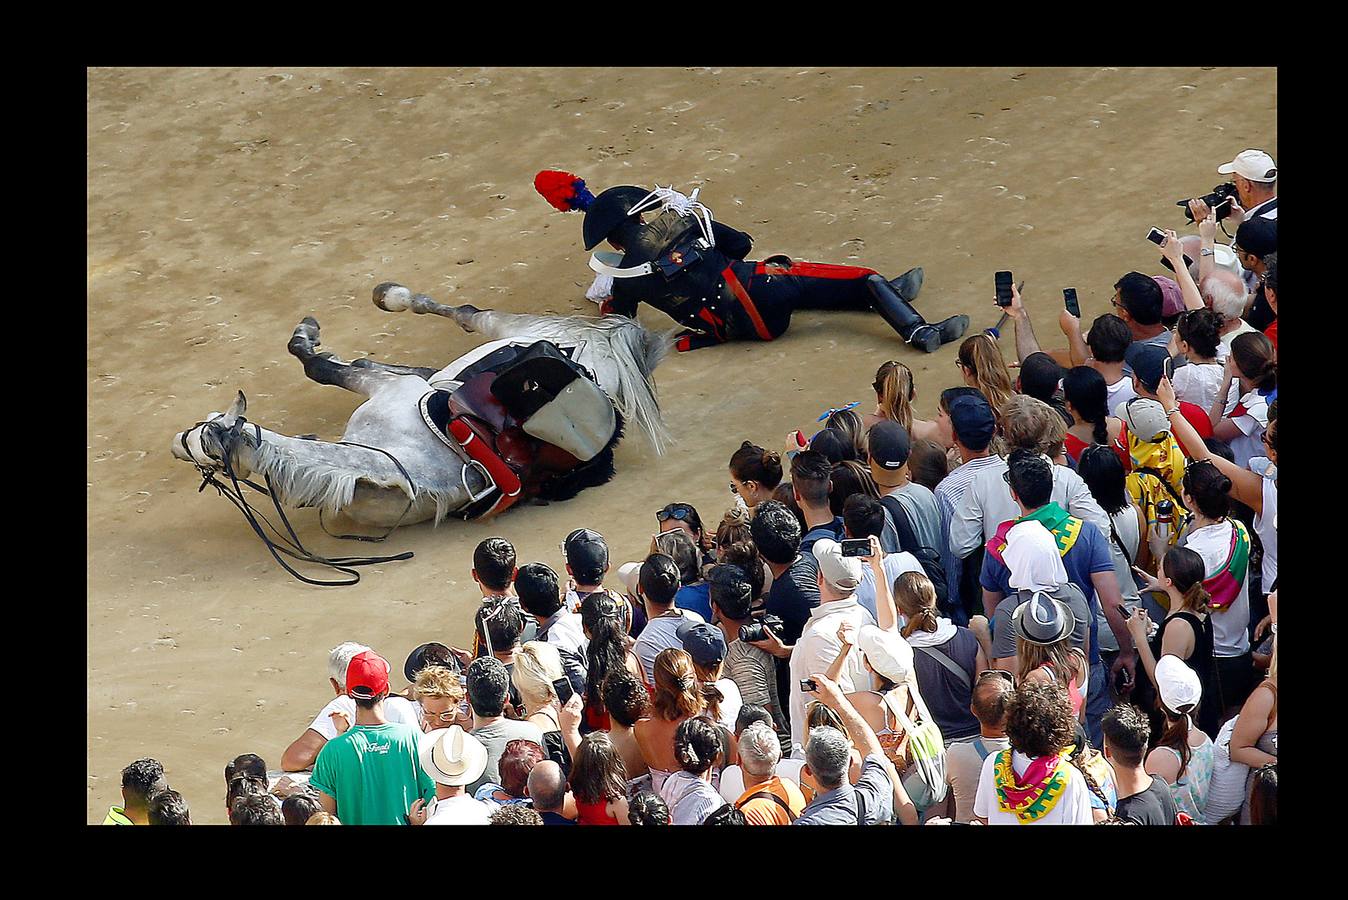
point(393, 297)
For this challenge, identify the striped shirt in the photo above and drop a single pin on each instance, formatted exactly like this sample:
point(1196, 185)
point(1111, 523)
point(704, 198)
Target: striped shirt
point(948, 495)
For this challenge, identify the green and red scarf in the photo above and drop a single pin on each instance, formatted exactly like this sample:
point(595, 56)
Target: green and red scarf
point(1031, 796)
point(1064, 527)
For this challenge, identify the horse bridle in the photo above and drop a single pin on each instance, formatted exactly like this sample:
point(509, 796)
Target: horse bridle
point(229, 439)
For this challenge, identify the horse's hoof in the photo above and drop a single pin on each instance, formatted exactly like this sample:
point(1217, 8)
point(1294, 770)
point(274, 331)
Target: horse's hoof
point(392, 297)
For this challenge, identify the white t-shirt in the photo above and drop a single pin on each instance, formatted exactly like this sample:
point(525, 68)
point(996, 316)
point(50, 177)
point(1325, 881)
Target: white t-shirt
point(1198, 383)
point(1224, 347)
point(895, 564)
point(1072, 808)
point(396, 709)
point(730, 706)
point(817, 649)
point(732, 777)
point(1252, 422)
point(1120, 391)
point(1263, 523)
point(460, 810)
point(1230, 627)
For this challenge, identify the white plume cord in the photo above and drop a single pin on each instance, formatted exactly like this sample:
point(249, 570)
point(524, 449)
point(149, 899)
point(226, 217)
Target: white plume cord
point(668, 198)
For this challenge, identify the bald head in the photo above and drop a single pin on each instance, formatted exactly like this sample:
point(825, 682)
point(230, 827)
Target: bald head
point(547, 786)
point(990, 697)
point(1225, 294)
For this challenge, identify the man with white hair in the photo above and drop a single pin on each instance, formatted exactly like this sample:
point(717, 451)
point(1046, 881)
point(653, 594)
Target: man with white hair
point(1225, 294)
point(337, 716)
point(818, 647)
point(768, 799)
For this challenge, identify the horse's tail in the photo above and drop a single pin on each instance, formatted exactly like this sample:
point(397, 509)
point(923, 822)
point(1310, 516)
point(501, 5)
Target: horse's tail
point(636, 353)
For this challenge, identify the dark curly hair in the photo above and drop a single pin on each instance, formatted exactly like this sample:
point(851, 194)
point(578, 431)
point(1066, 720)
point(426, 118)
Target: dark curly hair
point(256, 809)
point(167, 807)
point(625, 697)
point(647, 809)
point(1208, 488)
point(696, 745)
point(725, 815)
point(142, 778)
point(1039, 719)
point(1201, 329)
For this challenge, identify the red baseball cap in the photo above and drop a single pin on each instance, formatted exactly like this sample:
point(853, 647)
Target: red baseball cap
point(367, 675)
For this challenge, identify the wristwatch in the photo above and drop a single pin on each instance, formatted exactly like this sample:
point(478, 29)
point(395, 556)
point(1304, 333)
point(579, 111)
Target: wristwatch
point(1206, 252)
point(1171, 412)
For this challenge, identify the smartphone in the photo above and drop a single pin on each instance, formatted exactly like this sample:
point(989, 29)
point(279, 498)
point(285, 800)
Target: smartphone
point(563, 688)
point(1156, 236)
point(808, 686)
point(1069, 300)
point(1002, 281)
point(1188, 262)
point(857, 547)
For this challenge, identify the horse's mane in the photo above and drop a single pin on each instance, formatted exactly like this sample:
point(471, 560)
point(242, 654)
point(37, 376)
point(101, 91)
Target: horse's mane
point(330, 487)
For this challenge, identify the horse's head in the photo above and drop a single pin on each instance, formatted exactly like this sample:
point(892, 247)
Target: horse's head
point(203, 445)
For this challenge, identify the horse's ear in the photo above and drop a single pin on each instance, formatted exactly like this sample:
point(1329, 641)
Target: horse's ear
point(240, 405)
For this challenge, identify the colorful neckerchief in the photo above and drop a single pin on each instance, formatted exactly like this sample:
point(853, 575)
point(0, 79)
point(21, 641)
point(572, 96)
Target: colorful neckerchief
point(1224, 586)
point(1064, 527)
point(1033, 795)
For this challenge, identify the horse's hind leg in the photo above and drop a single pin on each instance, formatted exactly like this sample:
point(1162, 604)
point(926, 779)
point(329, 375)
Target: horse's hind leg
point(326, 368)
point(394, 369)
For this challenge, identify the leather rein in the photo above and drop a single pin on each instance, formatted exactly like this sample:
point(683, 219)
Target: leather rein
point(291, 546)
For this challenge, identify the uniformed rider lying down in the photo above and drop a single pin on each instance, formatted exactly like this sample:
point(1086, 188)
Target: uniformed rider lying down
point(672, 255)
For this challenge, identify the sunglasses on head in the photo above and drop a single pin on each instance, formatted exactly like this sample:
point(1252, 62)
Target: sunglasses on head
point(997, 673)
point(677, 511)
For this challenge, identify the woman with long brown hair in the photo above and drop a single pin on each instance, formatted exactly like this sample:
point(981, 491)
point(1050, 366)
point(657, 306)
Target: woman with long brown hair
point(1253, 365)
point(980, 362)
point(678, 696)
point(599, 782)
point(894, 396)
point(938, 644)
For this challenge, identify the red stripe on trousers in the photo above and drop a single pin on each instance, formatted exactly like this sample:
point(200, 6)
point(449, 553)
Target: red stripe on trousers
point(815, 270)
point(743, 296)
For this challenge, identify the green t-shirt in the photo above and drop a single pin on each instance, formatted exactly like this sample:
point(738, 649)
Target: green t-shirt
point(374, 773)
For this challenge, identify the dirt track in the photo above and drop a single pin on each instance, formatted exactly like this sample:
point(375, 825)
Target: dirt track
point(225, 205)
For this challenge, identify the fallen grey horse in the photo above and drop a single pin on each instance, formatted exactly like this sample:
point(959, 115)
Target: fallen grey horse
point(390, 468)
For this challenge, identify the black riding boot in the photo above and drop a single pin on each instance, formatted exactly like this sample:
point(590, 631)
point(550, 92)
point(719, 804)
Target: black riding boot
point(907, 321)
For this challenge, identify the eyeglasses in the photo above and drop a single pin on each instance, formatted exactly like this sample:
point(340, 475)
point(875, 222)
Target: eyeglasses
point(677, 511)
point(1264, 438)
point(446, 717)
point(733, 489)
point(998, 673)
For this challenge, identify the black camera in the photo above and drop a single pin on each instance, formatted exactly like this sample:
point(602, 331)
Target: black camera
point(758, 631)
point(1219, 201)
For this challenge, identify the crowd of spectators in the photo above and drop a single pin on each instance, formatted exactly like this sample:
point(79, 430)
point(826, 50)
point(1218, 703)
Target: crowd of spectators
point(1054, 603)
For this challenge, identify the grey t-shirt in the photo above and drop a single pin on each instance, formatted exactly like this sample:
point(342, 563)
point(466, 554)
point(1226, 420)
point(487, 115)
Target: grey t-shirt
point(1004, 632)
point(839, 806)
point(924, 514)
point(661, 633)
point(495, 737)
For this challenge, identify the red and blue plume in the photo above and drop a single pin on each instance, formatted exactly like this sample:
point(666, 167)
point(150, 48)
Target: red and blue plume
point(566, 192)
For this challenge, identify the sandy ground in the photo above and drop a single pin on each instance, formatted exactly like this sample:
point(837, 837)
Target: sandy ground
point(225, 205)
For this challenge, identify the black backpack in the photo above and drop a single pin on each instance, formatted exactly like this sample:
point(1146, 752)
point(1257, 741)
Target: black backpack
point(929, 558)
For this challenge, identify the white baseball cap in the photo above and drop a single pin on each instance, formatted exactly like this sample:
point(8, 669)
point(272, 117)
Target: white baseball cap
point(1177, 684)
point(888, 653)
point(1255, 165)
point(842, 572)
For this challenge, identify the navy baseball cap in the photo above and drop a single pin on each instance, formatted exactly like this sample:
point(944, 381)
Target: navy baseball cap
point(889, 445)
point(1147, 362)
point(703, 642)
point(972, 420)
